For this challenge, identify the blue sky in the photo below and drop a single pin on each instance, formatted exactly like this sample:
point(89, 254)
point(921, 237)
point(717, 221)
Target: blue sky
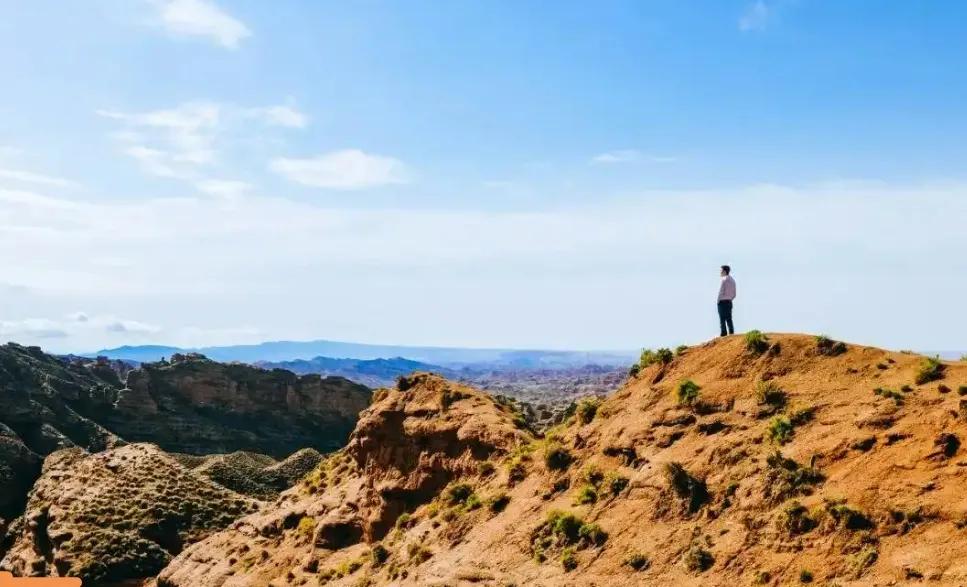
point(480, 173)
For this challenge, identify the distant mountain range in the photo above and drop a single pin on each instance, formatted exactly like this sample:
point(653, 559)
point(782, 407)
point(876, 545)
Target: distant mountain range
point(453, 358)
point(369, 372)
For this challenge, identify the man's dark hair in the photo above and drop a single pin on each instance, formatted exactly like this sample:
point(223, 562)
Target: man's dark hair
point(727, 269)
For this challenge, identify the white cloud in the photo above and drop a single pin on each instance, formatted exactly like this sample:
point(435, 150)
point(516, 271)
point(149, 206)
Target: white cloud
point(173, 142)
point(224, 188)
point(74, 324)
point(630, 271)
point(185, 142)
point(35, 178)
point(349, 169)
point(130, 326)
point(629, 156)
point(156, 162)
point(201, 18)
point(280, 115)
point(756, 16)
point(31, 328)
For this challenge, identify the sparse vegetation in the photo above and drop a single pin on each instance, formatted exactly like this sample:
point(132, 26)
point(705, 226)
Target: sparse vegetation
point(794, 519)
point(306, 528)
point(864, 559)
point(378, 555)
point(931, 369)
point(637, 562)
point(593, 475)
point(756, 342)
point(947, 443)
point(780, 430)
point(404, 383)
point(615, 483)
point(681, 349)
point(829, 347)
point(802, 415)
point(403, 522)
point(564, 531)
point(896, 396)
point(451, 396)
point(564, 526)
point(843, 516)
point(462, 495)
point(785, 478)
point(698, 559)
point(568, 559)
point(586, 494)
point(863, 444)
point(805, 576)
point(687, 392)
point(769, 393)
point(762, 578)
point(516, 472)
point(498, 503)
point(418, 554)
point(906, 521)
point(557, 458)
point(662, 356)
point(587, 409)
point(592, 535)
point(686, 486)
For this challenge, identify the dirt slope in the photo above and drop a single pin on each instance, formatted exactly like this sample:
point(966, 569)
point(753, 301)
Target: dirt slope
point(116, 516)
point(252, 474)
point(810, 476)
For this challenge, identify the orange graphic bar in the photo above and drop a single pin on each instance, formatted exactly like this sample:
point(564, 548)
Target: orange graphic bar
point(8, 580)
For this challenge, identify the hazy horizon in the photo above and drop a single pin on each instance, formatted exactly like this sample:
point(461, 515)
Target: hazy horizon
point(480, 174)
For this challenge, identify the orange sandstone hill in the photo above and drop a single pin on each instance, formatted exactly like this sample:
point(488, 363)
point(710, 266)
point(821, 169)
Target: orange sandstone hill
point(772, 460)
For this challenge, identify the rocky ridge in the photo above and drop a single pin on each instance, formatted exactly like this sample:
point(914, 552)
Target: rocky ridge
point(187, 404)
point(772, 460)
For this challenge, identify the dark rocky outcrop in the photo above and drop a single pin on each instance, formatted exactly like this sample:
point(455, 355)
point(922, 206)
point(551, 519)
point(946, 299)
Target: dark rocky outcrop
point(187, 405)
point(194, 405)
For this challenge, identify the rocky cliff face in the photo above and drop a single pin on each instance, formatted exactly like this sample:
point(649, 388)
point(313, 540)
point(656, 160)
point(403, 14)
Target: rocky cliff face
point(773, 462)
point(193, 405)
point(407, 448)
point(38, 395)
point(186, 405)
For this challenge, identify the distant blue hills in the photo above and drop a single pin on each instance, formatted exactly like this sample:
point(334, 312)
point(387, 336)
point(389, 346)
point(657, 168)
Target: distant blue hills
point(454, 358)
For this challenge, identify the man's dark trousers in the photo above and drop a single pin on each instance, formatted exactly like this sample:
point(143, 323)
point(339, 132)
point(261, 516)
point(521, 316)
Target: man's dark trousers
point(725, 317)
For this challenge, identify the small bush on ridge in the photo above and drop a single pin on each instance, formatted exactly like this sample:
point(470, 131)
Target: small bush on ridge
point(756, 342)
point(687, 392)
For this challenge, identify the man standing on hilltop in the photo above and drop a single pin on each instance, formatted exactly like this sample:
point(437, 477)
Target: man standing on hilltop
point(726, 295)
